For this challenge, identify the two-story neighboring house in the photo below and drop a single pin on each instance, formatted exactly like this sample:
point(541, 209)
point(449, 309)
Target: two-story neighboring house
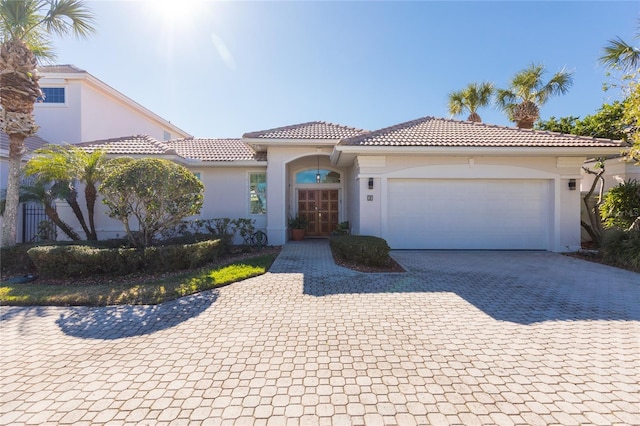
point(78, 107)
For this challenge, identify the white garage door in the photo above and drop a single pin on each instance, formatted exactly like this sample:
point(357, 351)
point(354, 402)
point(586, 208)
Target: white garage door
point(468, 214)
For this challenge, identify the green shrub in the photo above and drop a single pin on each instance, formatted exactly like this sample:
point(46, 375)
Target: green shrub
point(80, 260)
point(621, 205)
point(182, 256)
point(246, 228)
point(15, 260)
point(191, 231)
point(622, 248)
point(361, 249)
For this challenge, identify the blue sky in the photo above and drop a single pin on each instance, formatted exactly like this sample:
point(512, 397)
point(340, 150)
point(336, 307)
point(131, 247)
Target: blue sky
point(220, 69)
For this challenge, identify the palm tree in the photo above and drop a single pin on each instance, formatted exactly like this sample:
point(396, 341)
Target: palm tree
point(25, 30)
point(470, 99)
point(45, 193)
point(618, 53)
point(527, 93)
point(68, 165)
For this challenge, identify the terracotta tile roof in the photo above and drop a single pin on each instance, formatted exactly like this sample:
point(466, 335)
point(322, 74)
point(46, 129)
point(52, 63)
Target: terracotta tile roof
point(430, 131)
point(31, 143)
point(64, 69)
point(206, 149)
point(203, 149)
point(138, 144)
point(310, 130)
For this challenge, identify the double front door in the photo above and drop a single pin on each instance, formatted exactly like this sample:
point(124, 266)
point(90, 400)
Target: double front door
point(320, 208)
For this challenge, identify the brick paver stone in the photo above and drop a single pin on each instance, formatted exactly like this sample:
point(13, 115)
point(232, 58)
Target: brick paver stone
point(461, 337)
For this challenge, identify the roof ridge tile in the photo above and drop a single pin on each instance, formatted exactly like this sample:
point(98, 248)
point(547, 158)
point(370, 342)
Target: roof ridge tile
point(307, 130)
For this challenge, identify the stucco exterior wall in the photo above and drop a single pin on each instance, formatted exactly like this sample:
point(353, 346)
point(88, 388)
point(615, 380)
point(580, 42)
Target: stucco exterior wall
point(60, 123)
point(122, 119)
point(370, 200)
point(226, 194)
point(353, 200)
point(91, 112)
point(616, 172)
point(564, 203)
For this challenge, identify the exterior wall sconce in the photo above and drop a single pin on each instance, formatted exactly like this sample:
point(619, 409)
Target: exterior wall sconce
point(572, 184)
point(370, 183)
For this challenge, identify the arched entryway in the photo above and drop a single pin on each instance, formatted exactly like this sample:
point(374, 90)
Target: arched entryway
point(317, 193)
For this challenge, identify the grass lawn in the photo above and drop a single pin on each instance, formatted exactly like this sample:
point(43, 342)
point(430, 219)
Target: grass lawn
point(138, 289)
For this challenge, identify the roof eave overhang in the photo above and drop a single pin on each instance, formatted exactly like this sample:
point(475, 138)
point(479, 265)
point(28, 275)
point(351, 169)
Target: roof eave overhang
point(345, 154)
point(4, 154)
point(259, 144)
point(193, 162)
point(242, 163)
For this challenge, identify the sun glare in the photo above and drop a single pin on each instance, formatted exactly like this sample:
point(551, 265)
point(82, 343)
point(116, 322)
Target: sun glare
point(173, 13)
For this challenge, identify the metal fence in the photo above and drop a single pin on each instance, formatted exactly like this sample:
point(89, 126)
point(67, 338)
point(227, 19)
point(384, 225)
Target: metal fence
point(36, 225)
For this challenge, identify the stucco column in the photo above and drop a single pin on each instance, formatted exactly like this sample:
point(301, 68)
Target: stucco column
point(276, 202)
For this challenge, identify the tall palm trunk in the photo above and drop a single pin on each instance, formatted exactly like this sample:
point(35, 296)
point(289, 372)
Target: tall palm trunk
point(19, 90)
point(10, 217)
point(91, 195)
point(72, 200)
point(52, 214)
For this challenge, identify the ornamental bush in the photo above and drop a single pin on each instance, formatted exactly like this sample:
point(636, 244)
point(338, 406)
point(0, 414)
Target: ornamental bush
point(361, 249)
point(621, 248)
point(152, 193)
point(621, 205)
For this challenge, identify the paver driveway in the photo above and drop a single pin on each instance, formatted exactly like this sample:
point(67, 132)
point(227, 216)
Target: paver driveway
point(461, 338)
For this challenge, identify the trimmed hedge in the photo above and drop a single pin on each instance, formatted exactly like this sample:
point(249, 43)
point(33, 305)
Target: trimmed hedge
point(361, 249)
point(621, 248)
point(182, 256)
point(16, 260)
point(79, 260)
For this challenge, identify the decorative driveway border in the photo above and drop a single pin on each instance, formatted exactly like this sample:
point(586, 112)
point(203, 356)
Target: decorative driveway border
point(460, 338)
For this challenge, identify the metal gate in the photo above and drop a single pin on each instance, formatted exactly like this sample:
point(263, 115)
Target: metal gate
point(36, 225)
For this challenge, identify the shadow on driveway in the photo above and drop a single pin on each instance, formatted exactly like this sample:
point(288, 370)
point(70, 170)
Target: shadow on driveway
point(10, 312)
point(519, 287)
point(116, 322)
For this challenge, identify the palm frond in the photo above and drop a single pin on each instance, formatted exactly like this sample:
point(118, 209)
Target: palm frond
point(505, 99)
point(51, 162)
point(559, 84)
point(456, 103)
point(474, 96)
point(618, 53)
point(38, 191)
point(35, 21)
point(478, 95)
point(68, 16)
point(17, 17)
point(526, 83)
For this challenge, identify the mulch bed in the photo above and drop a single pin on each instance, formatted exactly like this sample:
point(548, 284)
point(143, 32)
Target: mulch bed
point(591, 255)
point(394, 267)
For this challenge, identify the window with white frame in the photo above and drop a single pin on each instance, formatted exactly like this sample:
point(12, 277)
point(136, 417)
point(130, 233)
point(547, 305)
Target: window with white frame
point(52, 95)
point(257, 193)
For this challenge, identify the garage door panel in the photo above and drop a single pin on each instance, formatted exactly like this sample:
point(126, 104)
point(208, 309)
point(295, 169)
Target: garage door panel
point(468, 214)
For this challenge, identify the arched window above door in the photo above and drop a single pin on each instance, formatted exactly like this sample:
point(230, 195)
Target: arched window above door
point(310, 176)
